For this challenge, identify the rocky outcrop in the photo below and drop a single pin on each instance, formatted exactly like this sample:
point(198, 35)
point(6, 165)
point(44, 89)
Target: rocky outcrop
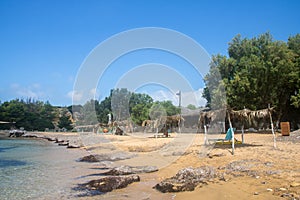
point(16, 133)
point(73, 146)
point(187, 179)
point(107, 184)
point(106, 157)
point(126, 170)
point(89, 158)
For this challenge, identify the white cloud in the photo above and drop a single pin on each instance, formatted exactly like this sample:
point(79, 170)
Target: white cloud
point(32, 91)
point(75, 95)
point(94, 92)
point(162, 95)
point(79, 97)
point(194, 98)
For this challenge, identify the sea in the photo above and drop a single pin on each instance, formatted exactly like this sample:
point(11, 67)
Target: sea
point(39, 169)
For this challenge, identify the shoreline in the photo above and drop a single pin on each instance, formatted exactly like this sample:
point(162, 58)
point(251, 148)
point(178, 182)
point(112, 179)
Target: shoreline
point(276, 169)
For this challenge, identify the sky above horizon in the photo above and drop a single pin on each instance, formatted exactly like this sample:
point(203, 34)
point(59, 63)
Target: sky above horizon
point(44, 43)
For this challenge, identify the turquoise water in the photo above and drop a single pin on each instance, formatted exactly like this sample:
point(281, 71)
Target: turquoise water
point(37, 169)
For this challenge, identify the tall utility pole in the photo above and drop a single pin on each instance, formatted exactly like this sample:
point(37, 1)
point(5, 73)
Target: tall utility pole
point(179, 95)
point(179, 123)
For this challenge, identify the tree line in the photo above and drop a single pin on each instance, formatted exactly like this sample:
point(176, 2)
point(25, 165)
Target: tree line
point(33, 115)
point(122, 105)
point(257, 72)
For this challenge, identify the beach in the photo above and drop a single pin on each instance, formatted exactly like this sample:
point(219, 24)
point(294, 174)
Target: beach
point(257, 170)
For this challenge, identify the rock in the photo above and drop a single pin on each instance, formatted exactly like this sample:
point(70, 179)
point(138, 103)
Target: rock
point(65, 143)
point(187, 179)
point(269, 190)
point(282, 189)
point(49, 138)
point(295, 184)
point(170, 187)
point(125, 170)
point(107, 157)
point(216, 155)
point(286, 195)
point(58, 140)
point(89, 158)
point(272, 172)
point(29, 135)
point(256, 193)
point(16, 133)
point(73, 146)
point(269, 164)
point(107, 184)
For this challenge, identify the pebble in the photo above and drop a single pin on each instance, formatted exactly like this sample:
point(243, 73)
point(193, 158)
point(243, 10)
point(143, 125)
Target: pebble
point(295, 184)
point(286, 195)
point(282, 189)
point(269, 189)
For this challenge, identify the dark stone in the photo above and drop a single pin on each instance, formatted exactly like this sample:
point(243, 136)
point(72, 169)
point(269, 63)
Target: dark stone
point(64, 143)
point(58, 141)
point(187, 179)
point(89, 158)
point(50, 139)
point(16, 133)
point(107, 184)
point(73, 146)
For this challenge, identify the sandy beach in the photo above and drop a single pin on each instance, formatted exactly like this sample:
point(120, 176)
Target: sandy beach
point(261, 171)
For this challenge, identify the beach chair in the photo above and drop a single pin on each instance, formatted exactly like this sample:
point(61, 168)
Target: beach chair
point(227, 139)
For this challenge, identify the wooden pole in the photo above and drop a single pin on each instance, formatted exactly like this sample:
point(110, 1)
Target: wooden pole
point(272, 127)
point(205, 135)
point(243, 134)
point(231, 132)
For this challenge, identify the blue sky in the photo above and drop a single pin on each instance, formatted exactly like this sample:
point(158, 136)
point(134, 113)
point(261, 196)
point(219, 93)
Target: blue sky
point(44, 43)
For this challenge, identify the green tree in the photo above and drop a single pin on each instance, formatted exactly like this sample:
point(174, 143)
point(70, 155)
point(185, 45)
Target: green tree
point(294, 45)
point(65, 121)
point(191, 107)
point(259, 71)
point(88, 113)
point(103, 109)
point(120, 103)
point(139, 106)
point(165, 106)
point(30, 114)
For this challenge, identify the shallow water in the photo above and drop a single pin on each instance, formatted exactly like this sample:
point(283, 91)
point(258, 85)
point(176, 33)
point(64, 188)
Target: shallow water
point(38, 169)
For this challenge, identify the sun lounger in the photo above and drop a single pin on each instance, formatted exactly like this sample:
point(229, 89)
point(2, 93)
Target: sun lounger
point(226, 140)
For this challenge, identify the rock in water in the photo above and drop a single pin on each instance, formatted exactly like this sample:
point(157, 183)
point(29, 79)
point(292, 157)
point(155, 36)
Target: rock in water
point(187, 179)
point(107, 184)
point(73, 146)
